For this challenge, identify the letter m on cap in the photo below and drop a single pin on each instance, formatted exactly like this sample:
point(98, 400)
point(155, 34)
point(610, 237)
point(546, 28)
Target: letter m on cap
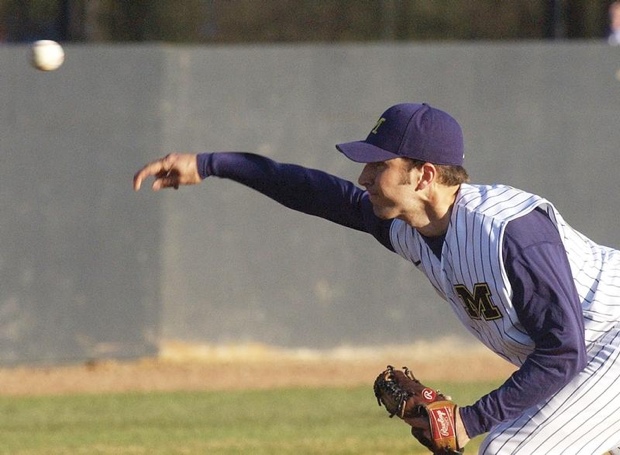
point(478, 304)
point(380, 122)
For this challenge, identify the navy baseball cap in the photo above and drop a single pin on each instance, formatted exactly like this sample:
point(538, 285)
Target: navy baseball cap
point(416, 131)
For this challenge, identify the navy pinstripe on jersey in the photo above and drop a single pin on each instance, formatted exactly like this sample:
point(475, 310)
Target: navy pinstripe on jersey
point(582, 416)
point(578, 417)
point(471, 275)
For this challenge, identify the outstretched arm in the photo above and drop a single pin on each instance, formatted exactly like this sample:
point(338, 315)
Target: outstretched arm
point(306, 190)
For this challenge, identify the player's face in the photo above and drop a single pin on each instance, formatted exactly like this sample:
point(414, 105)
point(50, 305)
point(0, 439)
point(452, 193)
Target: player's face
point(391, 186)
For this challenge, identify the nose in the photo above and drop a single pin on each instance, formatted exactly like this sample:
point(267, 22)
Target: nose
point(365, 178)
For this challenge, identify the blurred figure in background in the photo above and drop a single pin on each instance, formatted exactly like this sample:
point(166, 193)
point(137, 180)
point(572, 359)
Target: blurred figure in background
point(614, 24)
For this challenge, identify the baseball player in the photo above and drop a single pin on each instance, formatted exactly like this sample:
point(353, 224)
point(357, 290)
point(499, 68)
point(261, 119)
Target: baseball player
point(531, 288)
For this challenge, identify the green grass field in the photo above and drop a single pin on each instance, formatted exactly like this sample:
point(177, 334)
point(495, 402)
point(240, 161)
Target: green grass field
point(279, 421)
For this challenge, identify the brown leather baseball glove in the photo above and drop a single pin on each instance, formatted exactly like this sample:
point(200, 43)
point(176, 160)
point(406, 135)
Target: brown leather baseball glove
point(430, 413)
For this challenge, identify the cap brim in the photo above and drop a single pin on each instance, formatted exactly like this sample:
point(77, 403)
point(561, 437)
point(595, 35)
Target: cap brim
point(363, 152)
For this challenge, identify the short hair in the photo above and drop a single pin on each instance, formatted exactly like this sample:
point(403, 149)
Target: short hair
point(448, 174)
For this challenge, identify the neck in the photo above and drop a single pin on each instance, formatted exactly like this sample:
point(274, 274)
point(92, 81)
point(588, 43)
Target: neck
point(439, 210)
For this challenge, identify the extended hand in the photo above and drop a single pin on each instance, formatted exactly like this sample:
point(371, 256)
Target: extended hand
point(170, 171)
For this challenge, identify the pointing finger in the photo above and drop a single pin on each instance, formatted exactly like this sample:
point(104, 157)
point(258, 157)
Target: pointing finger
point(154, 168)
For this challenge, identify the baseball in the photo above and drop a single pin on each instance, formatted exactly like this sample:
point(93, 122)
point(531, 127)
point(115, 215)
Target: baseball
point(47, 55)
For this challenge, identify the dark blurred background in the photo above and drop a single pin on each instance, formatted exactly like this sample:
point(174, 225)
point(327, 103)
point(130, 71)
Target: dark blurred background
point(245, 21)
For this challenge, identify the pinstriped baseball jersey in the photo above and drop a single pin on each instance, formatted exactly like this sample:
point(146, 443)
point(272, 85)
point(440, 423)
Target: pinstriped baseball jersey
point(472, 278)
point(580, 416)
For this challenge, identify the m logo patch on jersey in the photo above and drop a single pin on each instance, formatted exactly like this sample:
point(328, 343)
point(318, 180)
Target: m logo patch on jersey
point(478, 304)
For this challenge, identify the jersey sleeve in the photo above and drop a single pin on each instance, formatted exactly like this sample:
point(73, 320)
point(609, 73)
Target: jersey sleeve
point(299, 188)
point(548, 308)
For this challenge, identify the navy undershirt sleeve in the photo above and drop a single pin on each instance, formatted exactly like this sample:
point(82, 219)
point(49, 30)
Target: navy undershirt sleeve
point(548, 308)
point(306, 190)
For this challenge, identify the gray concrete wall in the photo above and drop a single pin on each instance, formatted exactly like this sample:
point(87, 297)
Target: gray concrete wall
point(538, 116)
point(79, 267)
point(90, 269)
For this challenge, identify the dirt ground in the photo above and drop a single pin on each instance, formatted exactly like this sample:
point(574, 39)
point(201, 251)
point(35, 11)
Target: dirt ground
point(182, 366)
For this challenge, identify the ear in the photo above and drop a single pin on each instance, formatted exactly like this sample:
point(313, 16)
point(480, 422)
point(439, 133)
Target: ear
point(428, 174)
